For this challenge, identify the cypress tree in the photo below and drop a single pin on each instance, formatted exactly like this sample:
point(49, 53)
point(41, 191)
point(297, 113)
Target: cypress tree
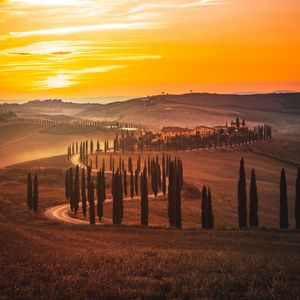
point(204, 207)
point(83, 193)
point(99, 196)
point(284, 218)
point(242, 196)
point(164, 181)
point(136, 185)
point(253, 216)
point(116, 199)
point(92, 203)
point(29, 191)
point(125, 183)
point(103, 185)
point(144, 199)
point(76, 190)
point(177, 206)
point(131, 185)
point(297, 200)
point(67, 192)
point(149, 166)
point(103, 165)
point(120, 192)
point(210, 216)
point(35, 202)
point(171, 193)
point(71, 188)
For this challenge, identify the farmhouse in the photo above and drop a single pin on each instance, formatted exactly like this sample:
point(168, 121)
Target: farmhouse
point(169, 132)
point(202, 130)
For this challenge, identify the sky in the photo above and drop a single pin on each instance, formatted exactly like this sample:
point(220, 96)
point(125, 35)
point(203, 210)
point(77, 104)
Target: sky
point(90, 48)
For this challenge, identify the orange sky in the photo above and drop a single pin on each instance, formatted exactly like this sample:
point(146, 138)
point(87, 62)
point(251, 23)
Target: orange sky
point(84, 48)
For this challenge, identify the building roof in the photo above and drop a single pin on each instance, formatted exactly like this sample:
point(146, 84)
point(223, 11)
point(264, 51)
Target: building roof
point(202, 127)
point(174, 129)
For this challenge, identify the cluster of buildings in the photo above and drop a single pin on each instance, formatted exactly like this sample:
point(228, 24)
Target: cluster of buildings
point(169, 132)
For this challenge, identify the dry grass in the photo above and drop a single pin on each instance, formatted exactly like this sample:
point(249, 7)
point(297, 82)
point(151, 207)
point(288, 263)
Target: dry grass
point(43, 259)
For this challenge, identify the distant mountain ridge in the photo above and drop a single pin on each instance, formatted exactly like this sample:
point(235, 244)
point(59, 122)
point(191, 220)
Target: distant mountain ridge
point(281, 110)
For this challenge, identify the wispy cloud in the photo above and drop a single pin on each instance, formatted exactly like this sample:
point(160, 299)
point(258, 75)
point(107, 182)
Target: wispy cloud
point(52, 2)
point(67, 78)
point(79, 29)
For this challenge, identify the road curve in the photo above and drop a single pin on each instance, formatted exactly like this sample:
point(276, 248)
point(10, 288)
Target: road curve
point(62, 212)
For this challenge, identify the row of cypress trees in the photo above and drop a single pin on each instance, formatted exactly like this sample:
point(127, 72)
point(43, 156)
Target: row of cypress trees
point(253, 205)
point(32, 193)
point(151, 142)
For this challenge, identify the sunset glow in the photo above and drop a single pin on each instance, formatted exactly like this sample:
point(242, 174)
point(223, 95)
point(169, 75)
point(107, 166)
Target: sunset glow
point(84, 48)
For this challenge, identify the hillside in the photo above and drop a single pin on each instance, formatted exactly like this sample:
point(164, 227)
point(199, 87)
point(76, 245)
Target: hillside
point(282, 111)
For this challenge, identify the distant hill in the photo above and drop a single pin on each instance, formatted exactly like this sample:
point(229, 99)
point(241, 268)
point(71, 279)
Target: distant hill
point(281, 110)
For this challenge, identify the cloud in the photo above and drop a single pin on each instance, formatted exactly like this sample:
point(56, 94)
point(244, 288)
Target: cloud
point(67, 78)
point(78, 29)
point(52, 2)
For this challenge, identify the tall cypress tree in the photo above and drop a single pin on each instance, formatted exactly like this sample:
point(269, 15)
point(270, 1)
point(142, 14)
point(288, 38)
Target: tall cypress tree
point(92, 203)
point(284, 218)
point(83, 192)
point(144, 199)
point(125, 182)
point(116, 199)
point(67, 183)
point(99, 196)
point(103, 185)
point(164, 179)
point(171, 193)
point(253, 216)
point(76, 190)
point(35, 202)
point(120, 192)
point(242, 196)
point(136, 184)
point(297, 200)
point(210, 215)
point(204, 207)
point(177, 204)
point(29, 191)
point(131, 184)
point(71, 188)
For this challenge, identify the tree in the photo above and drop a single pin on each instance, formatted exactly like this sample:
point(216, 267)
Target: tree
point(177, 206)
point(99, 196)
point(144, 199)
point(131, 184)
point(136, 185)
point(125, 183)
point(297, 200)
point(76, 190)
point(164, 179)
point(210, 215)
point(103, 185)
point(117, 206)
point(242, 196)
point(83, 192)
point(67, 183)
point(71, 188)
point(29, 191)
point(204, 207)
point(253, 216)
point(92, 203)
point(35, 202)
point(284, 218)
point(171, 193)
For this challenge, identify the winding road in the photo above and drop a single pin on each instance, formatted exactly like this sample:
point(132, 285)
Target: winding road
point(62, 212)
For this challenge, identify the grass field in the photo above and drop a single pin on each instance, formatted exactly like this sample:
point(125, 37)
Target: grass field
point(45, 259)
